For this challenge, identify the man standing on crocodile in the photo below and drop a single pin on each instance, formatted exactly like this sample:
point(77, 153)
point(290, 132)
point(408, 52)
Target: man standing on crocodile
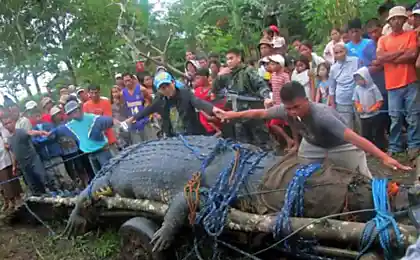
point(325, 135)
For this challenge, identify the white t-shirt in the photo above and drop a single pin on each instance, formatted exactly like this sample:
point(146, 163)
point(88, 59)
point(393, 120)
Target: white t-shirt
point(5, 160)
point(303, 79)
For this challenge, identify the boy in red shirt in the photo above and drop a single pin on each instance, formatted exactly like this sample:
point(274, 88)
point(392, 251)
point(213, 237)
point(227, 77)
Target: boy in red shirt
point(278, 79)
point(202, 90)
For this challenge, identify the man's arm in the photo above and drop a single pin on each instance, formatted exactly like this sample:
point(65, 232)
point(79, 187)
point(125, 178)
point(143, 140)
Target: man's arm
point(153, 108)
point(383, 55)
point(410, 53)
point(272, 112)
point(339, 129)
point(407, 57)
point(200, 104)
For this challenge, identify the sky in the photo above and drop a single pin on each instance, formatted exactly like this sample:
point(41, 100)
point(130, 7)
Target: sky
point(44, 79)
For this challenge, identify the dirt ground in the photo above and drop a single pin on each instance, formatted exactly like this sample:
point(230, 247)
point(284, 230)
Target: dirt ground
point(26, 242)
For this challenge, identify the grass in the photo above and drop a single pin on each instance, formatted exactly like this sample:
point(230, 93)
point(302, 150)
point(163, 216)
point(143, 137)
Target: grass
point(34, 243)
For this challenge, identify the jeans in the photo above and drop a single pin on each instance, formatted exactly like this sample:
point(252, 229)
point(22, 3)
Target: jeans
point(402, 102)
point(99, 159)
point(373, 129)
point(35, 176)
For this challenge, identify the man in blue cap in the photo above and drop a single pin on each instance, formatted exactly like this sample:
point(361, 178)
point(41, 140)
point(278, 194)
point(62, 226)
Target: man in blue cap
point(88, 131)
point(177, 107)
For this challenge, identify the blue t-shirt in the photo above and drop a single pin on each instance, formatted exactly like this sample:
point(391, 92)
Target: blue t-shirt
point(365, 50)
point(323, 85)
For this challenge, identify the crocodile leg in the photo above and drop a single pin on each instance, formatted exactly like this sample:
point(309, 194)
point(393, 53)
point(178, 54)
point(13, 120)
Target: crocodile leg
point(175, 218)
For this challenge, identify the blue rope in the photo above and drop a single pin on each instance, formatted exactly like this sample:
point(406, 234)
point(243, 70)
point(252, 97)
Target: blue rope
point(213, 213)
point(193, 149)
point(294, 199)
point(380, 223)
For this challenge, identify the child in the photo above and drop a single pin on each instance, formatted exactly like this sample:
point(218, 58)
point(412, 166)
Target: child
point(278, 79)
point(322, 72)
point(301, 74)
point(368, 100)
point(202, 90)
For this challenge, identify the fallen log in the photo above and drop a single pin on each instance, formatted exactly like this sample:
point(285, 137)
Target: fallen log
point(323, 228)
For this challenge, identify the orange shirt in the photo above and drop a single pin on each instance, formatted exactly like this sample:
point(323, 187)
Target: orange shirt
point(103, 108)
point(398, 75)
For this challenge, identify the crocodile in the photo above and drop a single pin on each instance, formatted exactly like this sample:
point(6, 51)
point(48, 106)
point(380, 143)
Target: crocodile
point(159, 170)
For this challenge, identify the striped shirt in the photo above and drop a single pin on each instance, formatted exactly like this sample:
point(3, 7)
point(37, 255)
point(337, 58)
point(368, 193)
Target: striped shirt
point(278, 79)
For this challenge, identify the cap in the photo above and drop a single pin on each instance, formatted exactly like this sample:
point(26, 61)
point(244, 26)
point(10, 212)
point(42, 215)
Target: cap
point(159, 68)
point(79, 90)
point(45, 101)
point(71, 106)
point(277, 58)
point(278, 42)
point(274, 28)
point(265, 41)
point(30, 105)
point(55, 110)
point(416, 11)
point(71, 88)
point(265, 60)
point(118, 75)
point(162, 78)
point(397, 11)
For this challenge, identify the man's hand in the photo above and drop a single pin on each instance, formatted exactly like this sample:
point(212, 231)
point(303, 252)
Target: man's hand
point(227, 115)
point(268, 103)
point(44, 133)
point(293, 150)
point(224, 71)
point(217, 111)
point(394, 164)
point(129, 120)
point(116, 122)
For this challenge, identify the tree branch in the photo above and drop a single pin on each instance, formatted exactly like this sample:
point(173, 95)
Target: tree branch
point(133, 46)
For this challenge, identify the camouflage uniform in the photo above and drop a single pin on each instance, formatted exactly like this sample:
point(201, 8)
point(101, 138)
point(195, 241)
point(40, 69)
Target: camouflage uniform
point(245, 82)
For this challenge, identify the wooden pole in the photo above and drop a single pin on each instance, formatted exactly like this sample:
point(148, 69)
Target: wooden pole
point(324, 229)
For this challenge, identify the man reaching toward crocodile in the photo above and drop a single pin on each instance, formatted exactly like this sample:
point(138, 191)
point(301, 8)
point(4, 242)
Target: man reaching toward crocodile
point(324, 132)
point(177, 108)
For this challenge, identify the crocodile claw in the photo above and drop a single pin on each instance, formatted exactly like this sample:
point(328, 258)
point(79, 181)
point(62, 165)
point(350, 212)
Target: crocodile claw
point(162, 239)
point(76, 225)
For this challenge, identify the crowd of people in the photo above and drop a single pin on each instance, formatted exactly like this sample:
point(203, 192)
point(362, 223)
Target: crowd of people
point(364, 82)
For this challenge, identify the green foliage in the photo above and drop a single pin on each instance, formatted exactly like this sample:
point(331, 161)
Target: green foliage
point(78, 40)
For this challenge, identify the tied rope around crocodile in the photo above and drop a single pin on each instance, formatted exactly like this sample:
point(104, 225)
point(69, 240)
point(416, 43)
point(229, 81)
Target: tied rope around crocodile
point(294, 207)
point(379, 224)
point(213, 214)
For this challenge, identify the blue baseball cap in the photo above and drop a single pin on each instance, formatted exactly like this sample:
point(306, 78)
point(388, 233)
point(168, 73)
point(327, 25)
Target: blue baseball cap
point(163, 78)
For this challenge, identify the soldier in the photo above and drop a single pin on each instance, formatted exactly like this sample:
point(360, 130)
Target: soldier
point(244, 90)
